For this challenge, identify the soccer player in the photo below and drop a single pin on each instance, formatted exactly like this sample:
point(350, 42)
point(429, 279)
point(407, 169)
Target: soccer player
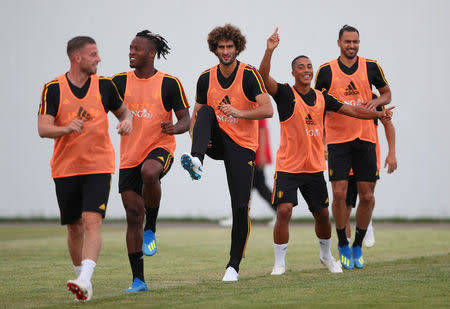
point(351, 142)
point(230, 98)
point(73, 112)
point(146, 155)
point(352, 190)
point(300, 158)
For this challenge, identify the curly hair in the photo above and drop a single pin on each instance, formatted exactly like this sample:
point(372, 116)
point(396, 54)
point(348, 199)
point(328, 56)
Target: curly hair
point(227, 32)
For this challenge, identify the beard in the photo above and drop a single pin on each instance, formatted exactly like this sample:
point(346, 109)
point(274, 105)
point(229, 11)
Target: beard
point(89, 69)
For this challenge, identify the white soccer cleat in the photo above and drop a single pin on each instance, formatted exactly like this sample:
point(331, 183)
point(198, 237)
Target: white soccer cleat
point(333, 266)
point(192, 165)
point(369, 239)
point(230, 275)
point(278, 270)
point(227, 222)
point(82, 290)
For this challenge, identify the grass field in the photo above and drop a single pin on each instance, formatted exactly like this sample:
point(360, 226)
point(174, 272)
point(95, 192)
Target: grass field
point(409, 267)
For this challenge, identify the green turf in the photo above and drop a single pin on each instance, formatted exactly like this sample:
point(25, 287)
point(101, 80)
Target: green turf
point(408, 267)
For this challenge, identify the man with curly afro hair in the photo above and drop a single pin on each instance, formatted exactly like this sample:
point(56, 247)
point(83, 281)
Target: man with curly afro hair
point(230, 99)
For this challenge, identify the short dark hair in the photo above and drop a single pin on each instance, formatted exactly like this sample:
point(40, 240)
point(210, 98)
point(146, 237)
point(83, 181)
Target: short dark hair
point(159, 43)
point(227, 32)
point(78, 42)
point(348, 29)
point(295, 59)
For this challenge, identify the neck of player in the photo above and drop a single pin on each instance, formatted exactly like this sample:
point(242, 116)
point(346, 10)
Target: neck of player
point(146, 71)
point(348, 62)
point(77, 77)
point(227, 69)
point(303, 88)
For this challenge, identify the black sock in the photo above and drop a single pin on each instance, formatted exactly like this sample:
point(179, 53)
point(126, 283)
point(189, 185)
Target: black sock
point(359, 236)
point(342, 237)
point(151, 214)
point(137, 265)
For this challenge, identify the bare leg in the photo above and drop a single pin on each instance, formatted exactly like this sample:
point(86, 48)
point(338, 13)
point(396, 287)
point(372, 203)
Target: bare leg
point(134, 208)
point(281, 228)
point(322, 223)
point(151, 190)
point(75, 239)
point(92, 223)
point(339, 204)
point(366, 204)
point(348, 231)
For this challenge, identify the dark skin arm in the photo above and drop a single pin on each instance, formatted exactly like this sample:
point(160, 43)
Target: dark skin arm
point(180, 127)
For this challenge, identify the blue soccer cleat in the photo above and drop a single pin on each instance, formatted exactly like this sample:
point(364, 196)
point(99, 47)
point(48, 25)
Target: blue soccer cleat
point(357, 256)
point(345, 257)
point(137, 286)
point(192, 165)
point(149, 243)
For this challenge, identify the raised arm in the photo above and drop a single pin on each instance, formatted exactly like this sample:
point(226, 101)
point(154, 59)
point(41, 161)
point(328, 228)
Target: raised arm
point(264, 67)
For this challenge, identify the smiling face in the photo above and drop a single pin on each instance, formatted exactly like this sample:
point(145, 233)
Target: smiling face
point(349, 44)
point(141, 52)
point(226, 52)
point(303, 72)
point(88, 58)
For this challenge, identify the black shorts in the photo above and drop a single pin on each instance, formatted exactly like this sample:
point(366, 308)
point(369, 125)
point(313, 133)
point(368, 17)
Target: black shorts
point(77, 194)
point(312, 187)
point(359, 155)
point(131, 178)
point(352, 191)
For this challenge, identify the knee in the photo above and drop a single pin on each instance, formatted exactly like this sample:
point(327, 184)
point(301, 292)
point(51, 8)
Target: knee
point(134, 214)
point(76, 227)
point(150, 175)
point(322, 216)
point(284, 213)
point(365, 197)
point(206, 111)
point(339, 195)
point(92, 221)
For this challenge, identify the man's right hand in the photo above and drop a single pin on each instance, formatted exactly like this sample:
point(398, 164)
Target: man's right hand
point(273, 40)
point(76, 125)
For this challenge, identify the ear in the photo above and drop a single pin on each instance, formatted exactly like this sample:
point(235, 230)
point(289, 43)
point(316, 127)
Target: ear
point(152, 53)
point(76, 57)
point(339, 43)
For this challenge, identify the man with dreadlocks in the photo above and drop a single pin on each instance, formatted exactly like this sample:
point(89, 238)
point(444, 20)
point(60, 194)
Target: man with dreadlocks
point(230, 99)
point(146, 155)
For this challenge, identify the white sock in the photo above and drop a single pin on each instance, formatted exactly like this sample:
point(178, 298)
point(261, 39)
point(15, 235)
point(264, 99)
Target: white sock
point(325, 248)
point(280, 254)
point(87, 269)
point(370, 227)
point(77, 270)
point(349, 240)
